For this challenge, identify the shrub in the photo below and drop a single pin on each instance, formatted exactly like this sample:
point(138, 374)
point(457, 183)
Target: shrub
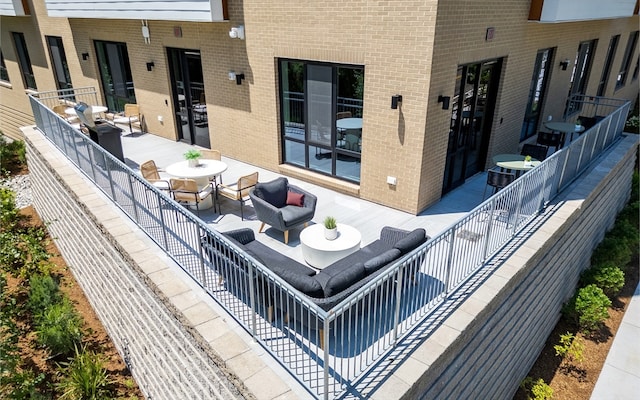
point(85, 377)
point(12, 154)
point(570, 347)
point(613, 250)
point(9, 214)
point(591, 306)
point(59, 328)
point(626, 231)
point(607, 277)
point(536, 389)
point(43, 292)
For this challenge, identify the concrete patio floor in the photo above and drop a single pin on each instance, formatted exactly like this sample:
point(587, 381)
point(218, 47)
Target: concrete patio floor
point(366, 216)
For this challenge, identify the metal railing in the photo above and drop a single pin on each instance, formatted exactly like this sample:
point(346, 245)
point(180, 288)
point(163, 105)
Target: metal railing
point(329, 347)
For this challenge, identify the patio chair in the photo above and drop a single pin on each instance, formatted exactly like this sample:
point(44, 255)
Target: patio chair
point(283, 206)
point(239, 191)
point(60, 109)
point(535, 151)
point(550, 139)
point(343, 114)
point(498, 180)
point(150, 172)
point(213, 155)
point(186, 190)
point(130, 115)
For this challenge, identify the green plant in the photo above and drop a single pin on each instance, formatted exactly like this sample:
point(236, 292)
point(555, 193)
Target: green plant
point(527, 158)
point(43, 292)
point(330, 223)
point(59, 328)
point(613, 250)
point(536, 389)
point(632, 124)
point(578, 122)
point(85, 377)
point(12, 154)
point(9, 214)
point(192, 154)
point(591, 306)
point(570, 346)
point(606, 276)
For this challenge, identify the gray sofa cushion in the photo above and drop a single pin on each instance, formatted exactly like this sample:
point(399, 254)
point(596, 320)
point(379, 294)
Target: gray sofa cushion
point(273, 192)
point(414, 239)
point(304, 283)
point(375, 263)
point(344, 279)
point(276, 261)
point(293, 215)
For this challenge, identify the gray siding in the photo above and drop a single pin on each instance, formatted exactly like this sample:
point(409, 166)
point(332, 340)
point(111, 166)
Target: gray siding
point(179, 10)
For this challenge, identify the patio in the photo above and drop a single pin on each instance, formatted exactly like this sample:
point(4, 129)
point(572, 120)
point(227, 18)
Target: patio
point(367, 217)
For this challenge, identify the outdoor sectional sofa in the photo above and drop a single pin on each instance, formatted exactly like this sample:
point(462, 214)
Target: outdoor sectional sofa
point(326, 287)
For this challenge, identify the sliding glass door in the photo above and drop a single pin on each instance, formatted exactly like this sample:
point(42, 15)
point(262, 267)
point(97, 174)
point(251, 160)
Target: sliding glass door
point(115, 73)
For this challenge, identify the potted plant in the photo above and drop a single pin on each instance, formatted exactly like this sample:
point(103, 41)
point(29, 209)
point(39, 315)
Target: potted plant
point(193, 156)
point(330, 228)
point(527, 161)
point(578, 125)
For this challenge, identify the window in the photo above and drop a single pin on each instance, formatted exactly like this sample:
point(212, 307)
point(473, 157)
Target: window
point(24, 61)
point(321, 117)
point(59, 62)
point(580, 76)
point(606, 71)
point(537, 89)
point(626, 60)
point(4, 76)
point(115, 73)
point(635, 70)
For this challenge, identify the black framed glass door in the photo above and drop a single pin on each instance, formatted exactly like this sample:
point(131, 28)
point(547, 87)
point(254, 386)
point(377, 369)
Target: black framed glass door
point(59, 62)
point(189, 100)
point(115, 73)
point(471, 121)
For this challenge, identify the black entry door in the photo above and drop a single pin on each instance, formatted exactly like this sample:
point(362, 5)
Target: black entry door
point(471, 120)
point(185, 67)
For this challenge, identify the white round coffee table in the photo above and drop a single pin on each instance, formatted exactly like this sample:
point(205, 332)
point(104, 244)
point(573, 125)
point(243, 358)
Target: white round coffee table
point(320, 252)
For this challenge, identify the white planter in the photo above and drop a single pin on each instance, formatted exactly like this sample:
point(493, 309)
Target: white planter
point(193, 162)
point(578, 128)
point(330, 234)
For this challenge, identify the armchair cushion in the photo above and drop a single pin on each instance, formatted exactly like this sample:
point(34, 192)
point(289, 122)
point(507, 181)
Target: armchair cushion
point(273, 192)
point(293, 215)
point(295, 199)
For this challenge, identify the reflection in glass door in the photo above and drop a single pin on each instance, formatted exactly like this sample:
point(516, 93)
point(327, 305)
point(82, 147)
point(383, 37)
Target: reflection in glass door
point(471, 120)
point(189, 102)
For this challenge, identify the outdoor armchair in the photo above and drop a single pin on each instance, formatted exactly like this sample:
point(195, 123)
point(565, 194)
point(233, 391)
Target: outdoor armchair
point(151, 173)
point(130, 115)
point(239, 191)
point(186, 190)
point(281, 205)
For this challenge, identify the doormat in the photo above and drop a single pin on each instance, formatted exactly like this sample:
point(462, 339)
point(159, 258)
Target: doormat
point(468, 235)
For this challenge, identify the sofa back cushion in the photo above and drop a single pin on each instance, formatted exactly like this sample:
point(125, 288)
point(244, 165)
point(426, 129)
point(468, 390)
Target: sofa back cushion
point(273, 192)
point(304, 283)
point(377, 262)
point(414, 239)
point(344, 279)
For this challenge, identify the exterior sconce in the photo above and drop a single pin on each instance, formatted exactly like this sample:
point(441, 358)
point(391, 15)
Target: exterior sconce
point(395, 100)
point(564, 64)
point(85, 56)
point(237, 32)
point(150, 66)
point(445, 101)
point(237, 77)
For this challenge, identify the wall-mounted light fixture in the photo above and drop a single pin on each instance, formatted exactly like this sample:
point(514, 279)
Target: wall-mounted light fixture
point(238, 77)
point(564, 64)
point(150, 66)
point(85, 56)
point(237, 32)
point(395, 100)
point(445, 101)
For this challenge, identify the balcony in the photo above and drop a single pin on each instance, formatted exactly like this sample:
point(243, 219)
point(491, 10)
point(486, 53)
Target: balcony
point(180, 10)
point(466, 234)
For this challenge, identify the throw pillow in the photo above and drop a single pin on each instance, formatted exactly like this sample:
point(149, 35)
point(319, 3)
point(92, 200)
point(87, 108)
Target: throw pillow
point(414, 239)
point(375, 263)
point(344, 279)
point(295, 199)
point(273, 192)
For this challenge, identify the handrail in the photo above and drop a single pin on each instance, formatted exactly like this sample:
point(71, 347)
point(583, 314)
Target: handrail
point(327, 350)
